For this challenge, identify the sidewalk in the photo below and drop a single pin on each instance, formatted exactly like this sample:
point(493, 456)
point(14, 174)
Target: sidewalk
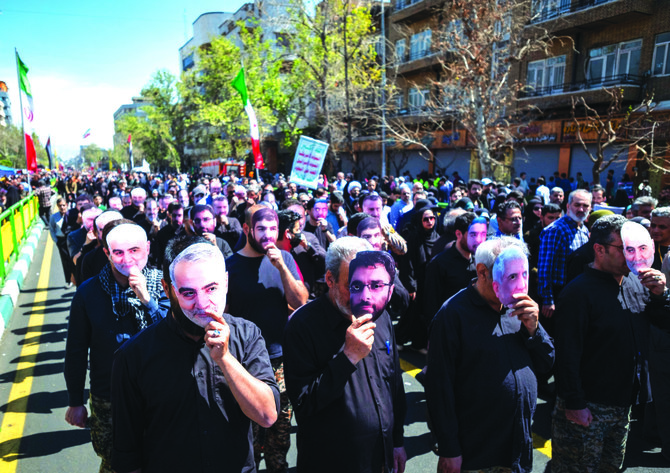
point(16, 276)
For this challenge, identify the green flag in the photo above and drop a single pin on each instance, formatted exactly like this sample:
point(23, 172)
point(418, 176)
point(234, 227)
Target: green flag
point(23, 76)
point(240, 85)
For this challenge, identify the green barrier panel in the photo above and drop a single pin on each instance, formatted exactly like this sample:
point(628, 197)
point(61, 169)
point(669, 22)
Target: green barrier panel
point(14, 225)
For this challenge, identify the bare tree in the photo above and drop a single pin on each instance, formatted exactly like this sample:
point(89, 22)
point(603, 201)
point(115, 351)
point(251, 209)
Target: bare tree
point(476, 43)
point(619, 130)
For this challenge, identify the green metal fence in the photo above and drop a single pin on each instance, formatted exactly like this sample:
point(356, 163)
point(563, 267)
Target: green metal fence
point(14, 225)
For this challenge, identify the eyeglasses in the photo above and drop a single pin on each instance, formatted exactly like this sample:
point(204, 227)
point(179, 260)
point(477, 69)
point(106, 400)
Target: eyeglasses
point(514, 219)
point(373, 286)
point(428, 219)
point(620, 247)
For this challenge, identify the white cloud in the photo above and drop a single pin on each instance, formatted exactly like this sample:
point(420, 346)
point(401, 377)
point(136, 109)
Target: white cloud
point(66, 107)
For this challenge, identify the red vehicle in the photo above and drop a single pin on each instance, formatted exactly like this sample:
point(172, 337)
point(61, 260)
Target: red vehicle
point(218, 167)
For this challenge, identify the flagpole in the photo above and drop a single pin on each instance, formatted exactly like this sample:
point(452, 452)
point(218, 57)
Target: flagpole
point(23, 125)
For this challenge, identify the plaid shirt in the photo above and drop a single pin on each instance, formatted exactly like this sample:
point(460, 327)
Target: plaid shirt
point(44, 195)
point(557, 242)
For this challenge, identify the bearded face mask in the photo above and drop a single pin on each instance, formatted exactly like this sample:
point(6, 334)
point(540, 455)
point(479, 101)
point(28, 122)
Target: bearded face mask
point(638, 247)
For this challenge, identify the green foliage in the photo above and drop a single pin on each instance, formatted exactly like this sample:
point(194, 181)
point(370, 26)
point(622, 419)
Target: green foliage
point(11, 146)
point(336, 63)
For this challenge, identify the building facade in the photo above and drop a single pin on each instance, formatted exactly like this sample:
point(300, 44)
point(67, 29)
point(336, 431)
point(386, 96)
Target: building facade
point(5, 105)
point(623, 44)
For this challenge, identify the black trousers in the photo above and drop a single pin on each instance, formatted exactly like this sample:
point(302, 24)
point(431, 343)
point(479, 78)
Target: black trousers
point(66, 261)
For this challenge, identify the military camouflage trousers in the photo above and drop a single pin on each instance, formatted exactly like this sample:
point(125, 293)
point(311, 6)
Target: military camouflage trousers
point(273, 443)
point(100, 423)
point(598, 448)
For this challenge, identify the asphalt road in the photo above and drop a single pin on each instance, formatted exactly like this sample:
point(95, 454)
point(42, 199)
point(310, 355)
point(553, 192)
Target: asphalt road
point(34, 436)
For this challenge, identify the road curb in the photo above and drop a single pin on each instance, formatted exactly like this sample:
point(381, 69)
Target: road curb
point(14, 282)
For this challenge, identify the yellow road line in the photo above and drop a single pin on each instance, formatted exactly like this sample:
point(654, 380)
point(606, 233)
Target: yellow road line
point(541, 445)
point(13, 422)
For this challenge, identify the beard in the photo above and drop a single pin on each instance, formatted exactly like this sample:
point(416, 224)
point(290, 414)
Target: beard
point(125, 269)
point(184, 322)
point(360, 309)
point(256, 245)
point(573, 215)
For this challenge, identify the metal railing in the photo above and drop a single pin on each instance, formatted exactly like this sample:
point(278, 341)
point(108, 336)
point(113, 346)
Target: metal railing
point(566, 7)
point(14, 225)
point(401, 4)
point(621, 79)
point(413, 56)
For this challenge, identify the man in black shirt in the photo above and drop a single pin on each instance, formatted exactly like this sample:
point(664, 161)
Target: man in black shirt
point(185, 392)
point(602, 338)
point(453, 269)
point(481, 389)
point(204, 222)
point(317, 211)
point(264, 285)
point(228, 228)
point(311, 258)
point(343, 376)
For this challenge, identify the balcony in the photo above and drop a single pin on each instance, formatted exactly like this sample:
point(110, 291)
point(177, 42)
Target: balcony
point(592, 90)
point(413, 10)
point(574, 14)
point(417, 61)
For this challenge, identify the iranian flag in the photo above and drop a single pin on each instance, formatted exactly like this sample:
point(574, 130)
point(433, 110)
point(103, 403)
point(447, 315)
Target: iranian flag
point(240, 85)
point(26, 97)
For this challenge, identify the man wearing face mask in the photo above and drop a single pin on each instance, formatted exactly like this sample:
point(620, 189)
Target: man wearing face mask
point(186, 390)
point(264, 286)
point(482, 361)
point(311, 259)
point(342, 368)
point(317, 211)
point(454, 268)
point(106, 311)
point(204, 223)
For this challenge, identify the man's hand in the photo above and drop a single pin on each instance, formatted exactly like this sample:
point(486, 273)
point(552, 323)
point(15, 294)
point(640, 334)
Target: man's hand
point(303, 241)
point(653, 280)
point(399, 459)
point(274, 254)
point(449, 464)
point(527, 311)
point(138, 283)
point(579, 416)
point(359, 338)
point(76, 415)
point(210, 237)
point(412, 296)
point(548, 310)
point(323, 223)
point(223, 219)
point(217, 336)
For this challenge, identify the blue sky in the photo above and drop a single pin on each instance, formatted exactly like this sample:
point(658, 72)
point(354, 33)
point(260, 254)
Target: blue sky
point(87, 58)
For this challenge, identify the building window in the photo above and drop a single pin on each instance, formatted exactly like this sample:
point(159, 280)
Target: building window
point(187, 62)
point(546, 76)
point(400, 101)
point(662, 55)
point(417, 99)
point(401, 50)
point(419, 44)
point(615, 61)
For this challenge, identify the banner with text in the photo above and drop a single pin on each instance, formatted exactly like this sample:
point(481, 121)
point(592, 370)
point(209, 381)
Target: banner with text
point(308, 161)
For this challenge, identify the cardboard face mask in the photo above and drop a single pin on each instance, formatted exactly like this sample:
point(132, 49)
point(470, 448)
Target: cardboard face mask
point(370, 283)
point(510, 276)
point(638, 247)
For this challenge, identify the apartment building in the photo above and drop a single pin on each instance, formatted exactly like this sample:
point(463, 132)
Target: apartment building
point(612, 43)
point(603, 44)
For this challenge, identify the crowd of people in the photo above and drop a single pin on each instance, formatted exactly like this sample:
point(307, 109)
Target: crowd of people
point(209, 309)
